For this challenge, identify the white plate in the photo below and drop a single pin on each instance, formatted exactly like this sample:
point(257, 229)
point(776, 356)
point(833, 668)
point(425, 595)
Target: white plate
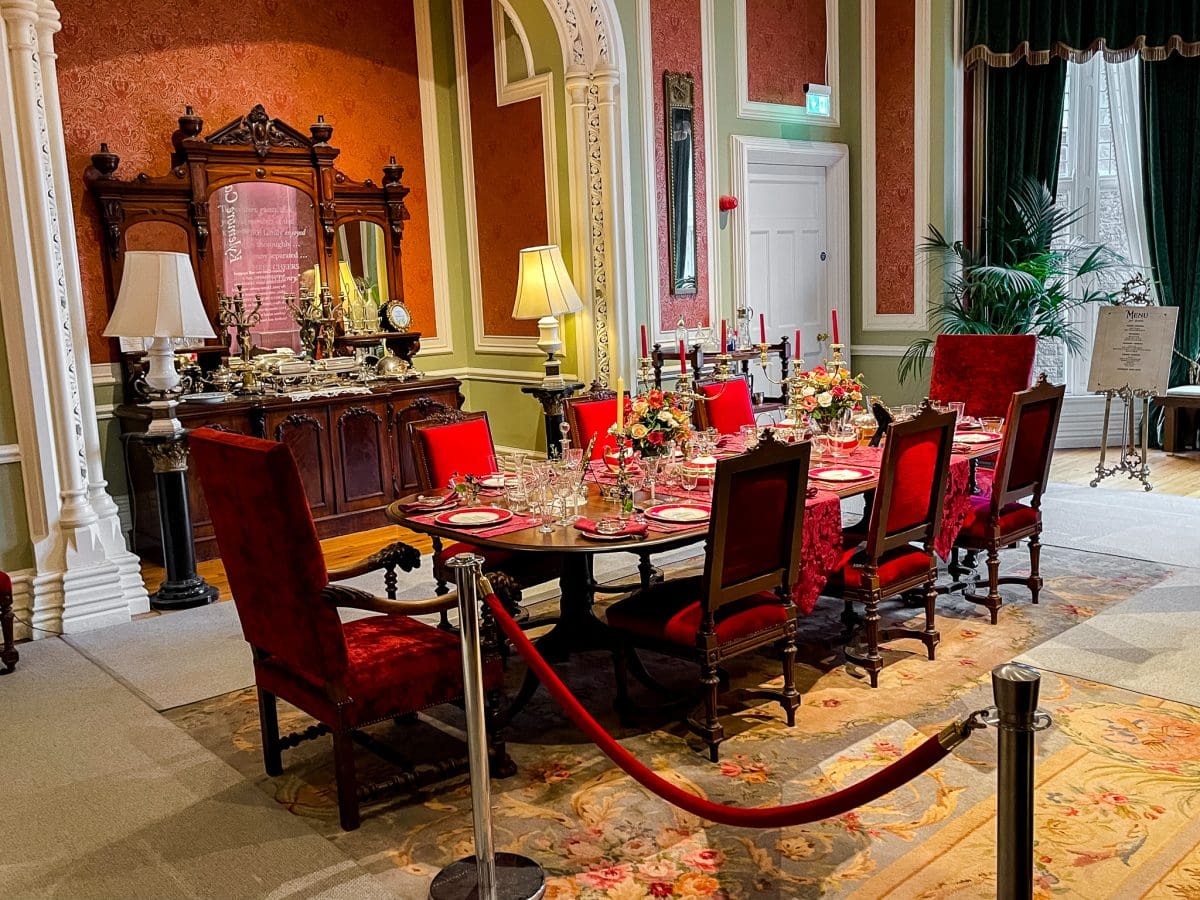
point(977, 437)
point(679, 512)
point(207, 397)
point(474, 517)
point(836, 473)
point(492, 481)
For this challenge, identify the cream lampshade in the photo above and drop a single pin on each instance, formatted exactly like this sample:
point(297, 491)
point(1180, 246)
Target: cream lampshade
point(544, 292)
point(159, 299)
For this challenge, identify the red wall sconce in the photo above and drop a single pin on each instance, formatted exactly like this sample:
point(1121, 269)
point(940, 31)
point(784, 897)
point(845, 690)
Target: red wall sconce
point(727, 203)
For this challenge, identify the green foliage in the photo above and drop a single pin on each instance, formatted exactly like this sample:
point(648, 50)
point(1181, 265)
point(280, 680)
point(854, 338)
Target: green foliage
point(1043, 274)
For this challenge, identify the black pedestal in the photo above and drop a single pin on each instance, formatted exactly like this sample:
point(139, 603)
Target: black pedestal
point(551, 400)
point(183, 588)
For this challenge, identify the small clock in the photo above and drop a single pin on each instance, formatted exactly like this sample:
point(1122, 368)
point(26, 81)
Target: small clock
point(396, 316)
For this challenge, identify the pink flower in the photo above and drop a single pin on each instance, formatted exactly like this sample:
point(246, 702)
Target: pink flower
point(706, 860)
point(606, 878)
point(658, 871)
point(661, 889)
point(831, 702)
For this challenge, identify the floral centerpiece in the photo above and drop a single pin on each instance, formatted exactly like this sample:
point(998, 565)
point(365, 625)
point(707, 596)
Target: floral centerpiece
point(653, 420)
point(826, 393)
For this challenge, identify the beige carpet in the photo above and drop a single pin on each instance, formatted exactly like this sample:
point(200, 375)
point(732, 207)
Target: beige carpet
point(103, 797)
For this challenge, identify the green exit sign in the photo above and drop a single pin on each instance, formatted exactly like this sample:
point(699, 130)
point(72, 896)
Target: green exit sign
point(818, 100)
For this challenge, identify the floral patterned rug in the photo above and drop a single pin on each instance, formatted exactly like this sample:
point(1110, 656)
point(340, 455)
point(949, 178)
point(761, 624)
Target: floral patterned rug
point(1118, 789)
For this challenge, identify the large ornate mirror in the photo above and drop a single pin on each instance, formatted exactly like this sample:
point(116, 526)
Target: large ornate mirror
point(679, 90)
point(265, 244)
point(361, 253)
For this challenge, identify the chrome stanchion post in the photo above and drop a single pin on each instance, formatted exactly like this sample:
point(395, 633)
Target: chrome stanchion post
point(486, 875)
point(1015, 689)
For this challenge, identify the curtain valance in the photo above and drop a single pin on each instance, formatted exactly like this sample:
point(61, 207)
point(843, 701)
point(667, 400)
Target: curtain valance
point(1003, 32)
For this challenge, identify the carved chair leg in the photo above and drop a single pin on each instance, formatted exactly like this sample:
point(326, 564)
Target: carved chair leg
point(268, 723)
point(849, 621)
point(791, 697)
point(440, 586)
point(872, 662)
point(645, 570)
point(347, 779)
point(502, 765)
point(389, 581)
point(930, 635)
point(1035, 565)
point(993, 596)
point(711, 729)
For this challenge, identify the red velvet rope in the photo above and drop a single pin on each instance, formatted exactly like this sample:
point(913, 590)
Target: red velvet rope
point(866, 791)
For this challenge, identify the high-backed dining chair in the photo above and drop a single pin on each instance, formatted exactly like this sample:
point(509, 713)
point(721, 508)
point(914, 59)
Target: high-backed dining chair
point(726, 406)
point(895, 554)
point(592, 413)
point(345, 675)
point(449, 443)
point(981, 370)
point(8, 649)
point(1000, 518)
point(743, 599)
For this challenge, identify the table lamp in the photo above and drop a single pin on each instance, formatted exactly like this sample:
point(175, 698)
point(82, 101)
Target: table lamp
point(159, 299)
point(545, 292)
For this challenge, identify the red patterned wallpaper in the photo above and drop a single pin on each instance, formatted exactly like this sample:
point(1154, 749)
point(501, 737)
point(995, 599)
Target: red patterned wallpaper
point(785, 49)
point(510, 177)
point(894, 155)
point(676, 47)
point(128, 67)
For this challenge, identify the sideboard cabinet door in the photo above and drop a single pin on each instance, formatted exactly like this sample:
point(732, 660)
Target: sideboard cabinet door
point(306, 433)
point(362, 458)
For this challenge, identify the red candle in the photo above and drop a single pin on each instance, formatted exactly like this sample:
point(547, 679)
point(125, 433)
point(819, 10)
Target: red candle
point(644, 353)
point(762, 328)
point(798, 354)
point(724, 338)
point(682, 359)
point(836, 339)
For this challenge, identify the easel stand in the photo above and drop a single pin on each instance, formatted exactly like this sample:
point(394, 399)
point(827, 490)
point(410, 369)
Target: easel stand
point(1133, 459)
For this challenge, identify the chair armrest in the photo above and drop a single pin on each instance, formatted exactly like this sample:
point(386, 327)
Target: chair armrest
point(397, 555)
point(340, 595)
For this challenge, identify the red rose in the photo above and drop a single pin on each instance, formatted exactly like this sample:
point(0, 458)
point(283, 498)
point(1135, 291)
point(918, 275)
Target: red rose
point(655, 438)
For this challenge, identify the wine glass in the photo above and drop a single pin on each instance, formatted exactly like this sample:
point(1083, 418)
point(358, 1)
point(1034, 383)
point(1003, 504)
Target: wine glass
point(651, 466)
point(542, 506)
point(749, 435)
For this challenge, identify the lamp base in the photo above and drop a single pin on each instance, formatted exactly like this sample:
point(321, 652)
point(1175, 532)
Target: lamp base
point(550, 343)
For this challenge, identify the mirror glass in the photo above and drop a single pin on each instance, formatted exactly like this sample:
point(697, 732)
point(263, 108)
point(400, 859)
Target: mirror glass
point(681, 180)
point(265, 240)
point(362, 274)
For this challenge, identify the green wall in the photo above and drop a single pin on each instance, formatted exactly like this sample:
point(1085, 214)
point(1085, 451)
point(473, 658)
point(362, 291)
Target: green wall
point(16, 551)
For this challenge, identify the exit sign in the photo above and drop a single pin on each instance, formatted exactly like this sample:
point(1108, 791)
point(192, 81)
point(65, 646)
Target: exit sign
point(818, 100)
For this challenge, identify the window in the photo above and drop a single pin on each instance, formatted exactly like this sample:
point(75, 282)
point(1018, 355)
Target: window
point(1099, 175)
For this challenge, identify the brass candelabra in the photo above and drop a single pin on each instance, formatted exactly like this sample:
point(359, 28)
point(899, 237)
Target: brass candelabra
point(232, 313)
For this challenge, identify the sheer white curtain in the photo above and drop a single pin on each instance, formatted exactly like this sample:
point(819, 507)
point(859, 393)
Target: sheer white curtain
point(1123, 93)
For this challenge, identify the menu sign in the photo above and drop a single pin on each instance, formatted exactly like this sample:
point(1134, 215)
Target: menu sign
point(1133, 348)
point(266, 242)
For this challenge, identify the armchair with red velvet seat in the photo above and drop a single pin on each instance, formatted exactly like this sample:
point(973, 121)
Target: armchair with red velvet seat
point(726, 406)
point(981, 370)
point(743, 600)
point(8, 649)
point(895, 554)
point(448, 443)
point(999, 518)
point(345, 675)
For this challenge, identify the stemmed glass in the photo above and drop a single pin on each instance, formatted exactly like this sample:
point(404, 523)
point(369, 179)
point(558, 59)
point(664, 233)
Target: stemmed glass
point(541, 503)
point(651, 466)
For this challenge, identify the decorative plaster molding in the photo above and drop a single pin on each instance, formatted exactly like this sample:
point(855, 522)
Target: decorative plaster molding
point(431, 143)
point(872, 319)
point(784, 112)
point(835, 159)
point(887, 350)
point(106, 374)
point(10, 453)
point(497, 376)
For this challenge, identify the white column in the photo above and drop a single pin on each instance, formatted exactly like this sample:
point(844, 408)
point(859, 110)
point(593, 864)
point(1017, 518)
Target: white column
point(587, 337)
point(75, 585)
point(109, 518)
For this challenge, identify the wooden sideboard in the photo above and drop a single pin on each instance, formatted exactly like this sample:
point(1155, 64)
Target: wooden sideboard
point(353, 452)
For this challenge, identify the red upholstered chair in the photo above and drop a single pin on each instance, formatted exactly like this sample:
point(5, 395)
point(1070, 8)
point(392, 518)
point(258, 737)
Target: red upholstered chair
point(592, 413)
point(346, 676)
point(981, 370)
point(1011, 510)
point(8, 650)
point(743, 600)
point(895, 555)
point(451, 442)
point(726, 405)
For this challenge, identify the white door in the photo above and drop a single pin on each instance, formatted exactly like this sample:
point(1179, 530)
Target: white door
point(787, 252)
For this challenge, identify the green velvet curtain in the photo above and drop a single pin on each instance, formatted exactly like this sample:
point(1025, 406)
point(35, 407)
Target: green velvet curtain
point(1023, 124)
point(1002, 32)
point(1171, 150)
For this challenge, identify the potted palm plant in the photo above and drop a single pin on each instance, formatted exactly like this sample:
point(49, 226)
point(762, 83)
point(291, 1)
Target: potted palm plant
point(1042, 274)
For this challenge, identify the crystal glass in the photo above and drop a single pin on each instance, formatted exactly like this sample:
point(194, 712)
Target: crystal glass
point(843, 440)
point(821, 446)
point(749, 435)
point(542, 505)
point(515, 495)
point(960, 411)
point(651, 466)
point(688, 478)
point(993, 423)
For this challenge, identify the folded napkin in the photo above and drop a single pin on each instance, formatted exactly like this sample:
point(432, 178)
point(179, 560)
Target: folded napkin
point(450, 498)
point(631, 529)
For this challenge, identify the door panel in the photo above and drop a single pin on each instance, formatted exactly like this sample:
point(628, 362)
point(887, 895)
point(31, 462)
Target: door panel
point(785, 274)
point(306, 434)
point(361, 456)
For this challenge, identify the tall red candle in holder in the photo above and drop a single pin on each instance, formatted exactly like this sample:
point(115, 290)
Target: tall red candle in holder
point(762, 328)
point(644, 350)
point(836, 339)
point(682, 359)
point(724, 338)
point(798, 353)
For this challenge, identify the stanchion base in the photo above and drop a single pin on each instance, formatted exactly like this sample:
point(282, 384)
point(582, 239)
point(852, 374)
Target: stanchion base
point(517, 878)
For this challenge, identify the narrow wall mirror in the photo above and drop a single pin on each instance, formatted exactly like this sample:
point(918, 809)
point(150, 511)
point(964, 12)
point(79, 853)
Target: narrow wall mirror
point(679, 106)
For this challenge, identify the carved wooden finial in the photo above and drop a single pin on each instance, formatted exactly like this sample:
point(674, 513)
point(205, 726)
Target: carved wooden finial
point(105, 162)
point(321, 131)
point(1042, 379)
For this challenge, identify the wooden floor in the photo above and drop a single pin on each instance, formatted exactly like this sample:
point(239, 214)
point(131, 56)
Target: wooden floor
point(1171, 474)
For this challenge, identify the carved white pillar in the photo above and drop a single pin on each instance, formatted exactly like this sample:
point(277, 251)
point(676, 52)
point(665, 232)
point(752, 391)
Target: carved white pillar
point(75, 584)
point(107, 513)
